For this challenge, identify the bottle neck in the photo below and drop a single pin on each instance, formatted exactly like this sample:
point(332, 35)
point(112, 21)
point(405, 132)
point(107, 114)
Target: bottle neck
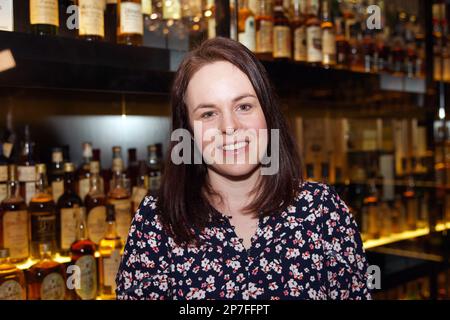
point(13, 189)
point(95, 182)
point(111, 230)
point(82, 232)
point(41, 183)
point(69, 182)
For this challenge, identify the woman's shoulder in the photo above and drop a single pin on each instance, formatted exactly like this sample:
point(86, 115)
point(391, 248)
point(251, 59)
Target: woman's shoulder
point(147, 215)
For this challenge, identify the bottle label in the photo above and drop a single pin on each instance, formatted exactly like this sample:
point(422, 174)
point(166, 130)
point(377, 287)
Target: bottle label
point(3, 173)
point(26, 173)
point(43, 226)
point(57, 189)
point(3, 191)
point(211, 27)
point(117, 165)
point(314, 43)
point(138, 195)
point(44, 12)
point(147, 7)
point(6, 16)
point(88, 281)
point(281, 42)
point(123, 216)
point(248, 37)
point(11, 290)
point(131, 20)
point(7, 146)
point(96, 222)
point(30, 191)
point(15, 233)
point(300, 51)
point(91, 18)
point(328, 42)
point(68, 226)
point(111, 267)
point(171, 10)
point(53, 287)
point(264, 34)
point(83, 187)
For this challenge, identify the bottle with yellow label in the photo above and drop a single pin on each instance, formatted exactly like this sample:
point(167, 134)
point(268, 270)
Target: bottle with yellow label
point(12, 280)
point(44, 17)
point(14, 221)
point(110, 249)
point(95, 202)
point(130, 27)
point(91, 19)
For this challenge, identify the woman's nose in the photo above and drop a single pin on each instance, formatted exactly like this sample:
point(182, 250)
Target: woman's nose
point(229, 124)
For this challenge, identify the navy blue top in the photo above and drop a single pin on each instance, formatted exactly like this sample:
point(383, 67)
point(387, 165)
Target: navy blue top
point(311, 250)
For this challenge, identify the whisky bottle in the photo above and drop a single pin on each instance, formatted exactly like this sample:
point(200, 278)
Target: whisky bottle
point(132, 169)
point(370, 211)
point(140, 190)
point(111, 21)
point(44, 17)
point(328, 37)
point(246, 26)
point(57, 174)
point(281, 33)
point(69, 207)
point(3, 174)
point(7, 20)
point(46, 279)
point(119, 196)
point(342, 46)
point(264, 29)
point(105, 175)
point(82, 253)
point(14, 221)
point(110, 249)
point(95, 206)
point(411, 203)
point(83, 171)
point(313, 34)
point(368, 51)
point(91, 19)
point(154, 168)
point(42, 214)
point(299, 30)
point(130, 26)
point(26, 168)
point(12, 279)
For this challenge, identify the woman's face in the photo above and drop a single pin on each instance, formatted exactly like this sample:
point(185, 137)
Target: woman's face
point(227, 119)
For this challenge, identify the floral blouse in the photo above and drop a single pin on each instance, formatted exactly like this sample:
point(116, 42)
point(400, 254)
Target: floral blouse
point(312, 250)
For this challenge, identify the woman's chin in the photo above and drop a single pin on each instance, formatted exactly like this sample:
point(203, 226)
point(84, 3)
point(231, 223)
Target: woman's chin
point(236, 171)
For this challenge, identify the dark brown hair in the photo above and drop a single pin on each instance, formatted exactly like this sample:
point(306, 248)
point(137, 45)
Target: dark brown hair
point(182, 202)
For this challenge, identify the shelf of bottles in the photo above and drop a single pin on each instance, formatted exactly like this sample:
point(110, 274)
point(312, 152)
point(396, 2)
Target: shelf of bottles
point(56, 217)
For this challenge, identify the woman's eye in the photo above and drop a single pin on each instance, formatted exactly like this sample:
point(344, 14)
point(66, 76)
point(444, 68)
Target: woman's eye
point(245, 107)
point(207, 115)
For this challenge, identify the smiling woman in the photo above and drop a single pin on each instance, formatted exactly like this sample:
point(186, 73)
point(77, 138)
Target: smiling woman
point(222, 229)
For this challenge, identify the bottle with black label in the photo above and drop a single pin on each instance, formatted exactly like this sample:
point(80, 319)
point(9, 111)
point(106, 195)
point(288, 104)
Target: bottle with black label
point(14, 221)
point(44, 17)
point(12, 279)
point(46, 280)
point(82, 253)
point(69, 207)
point(42, 214)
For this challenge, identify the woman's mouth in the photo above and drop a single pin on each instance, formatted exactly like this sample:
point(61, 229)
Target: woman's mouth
point(235, 146)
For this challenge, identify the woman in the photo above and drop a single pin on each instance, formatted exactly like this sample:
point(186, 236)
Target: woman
point(224, 229)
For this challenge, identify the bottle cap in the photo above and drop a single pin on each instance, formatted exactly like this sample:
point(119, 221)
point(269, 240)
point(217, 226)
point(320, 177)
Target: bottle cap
point(41, 168)
point(87, 149)
point(57, 155)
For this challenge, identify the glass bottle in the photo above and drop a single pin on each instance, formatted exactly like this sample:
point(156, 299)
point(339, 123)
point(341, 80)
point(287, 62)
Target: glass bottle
point(69, 207)
point(299, 30)
point(281, 33)
point(328, 37)
point(154, 168)
point(111, 21)
point(82, 253)
point(140, 190)
point(26, 167)
point(110, 249)
point(57, 173)
point(370, 211)
point(313, 34)
point(83, 171)
point(12, 279)
point(14, 221)
point(119, 196)
point(130, 26)
point(46, 279)
point(42, 214)
point(95, 203)
point(91, 19)
point(246, 26)
point(44, 17)
point(132, 170)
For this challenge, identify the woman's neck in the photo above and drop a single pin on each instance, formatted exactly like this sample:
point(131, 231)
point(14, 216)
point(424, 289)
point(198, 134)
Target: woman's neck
point(233, 195)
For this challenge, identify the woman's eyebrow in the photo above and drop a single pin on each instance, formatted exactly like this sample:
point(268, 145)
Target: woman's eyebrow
point(236, 99)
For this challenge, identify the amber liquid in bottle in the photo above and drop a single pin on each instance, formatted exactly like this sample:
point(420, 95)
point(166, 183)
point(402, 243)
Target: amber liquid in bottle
point(82, 254)
point(281, 33)
point(14, 221)
point(95, 203)
point(69, 207)
point(130, 22)
point(12, 280)
point(299, 32)
point(370, 212)
point(328, 37)
point(46, 280)
point(314, 35)
point(83, 172)
point(264, 30)
point(110, 249)
point(44, 17)
point(43, 216)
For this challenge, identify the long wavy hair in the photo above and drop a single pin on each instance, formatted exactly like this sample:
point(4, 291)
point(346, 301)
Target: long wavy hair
point(182, 201)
